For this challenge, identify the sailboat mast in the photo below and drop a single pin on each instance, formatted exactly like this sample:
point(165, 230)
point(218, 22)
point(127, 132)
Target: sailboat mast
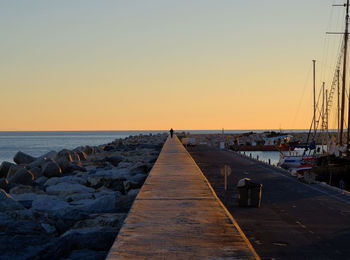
point(314, 65)
point(338, 111)
point(346, 36)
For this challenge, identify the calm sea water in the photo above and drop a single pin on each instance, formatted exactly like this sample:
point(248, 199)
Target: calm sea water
point(38, 143)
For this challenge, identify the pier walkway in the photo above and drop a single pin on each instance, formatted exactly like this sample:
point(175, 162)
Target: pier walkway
point(176, 215)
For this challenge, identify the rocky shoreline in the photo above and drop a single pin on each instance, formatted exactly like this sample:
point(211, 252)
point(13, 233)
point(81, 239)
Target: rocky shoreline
point(71, 204)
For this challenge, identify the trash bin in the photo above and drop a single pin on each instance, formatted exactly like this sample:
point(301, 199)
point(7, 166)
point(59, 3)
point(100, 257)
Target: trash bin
point(249, 193)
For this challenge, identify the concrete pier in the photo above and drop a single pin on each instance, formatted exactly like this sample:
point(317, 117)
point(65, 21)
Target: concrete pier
point(176, 215)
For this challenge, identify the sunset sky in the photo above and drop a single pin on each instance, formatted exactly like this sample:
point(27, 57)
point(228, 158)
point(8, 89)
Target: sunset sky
point(142, 65)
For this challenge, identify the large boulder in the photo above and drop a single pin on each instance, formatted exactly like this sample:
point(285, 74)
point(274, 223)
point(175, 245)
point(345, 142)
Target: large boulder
point(36, 171)
point(89, 239)
point(65, 153)
point(52, 155)
point(65, 189)
point(51, 205)
point(4, 168)
point(39, 162)
point(13, 169)
point(51, 169)
point(110, 182)
point(107, 203)
point(64, 164)
point(4, 184)
point(125, 201)
point(140, 167)
point(7, 203)
point(88, 150)
point(23, 158)
point(82, 156)
point(87, 254)
point(20, 189)
point(22, 176)
point(64, 179)
point(114, 160)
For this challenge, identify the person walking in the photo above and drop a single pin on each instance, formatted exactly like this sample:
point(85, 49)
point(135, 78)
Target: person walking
point(171, 133)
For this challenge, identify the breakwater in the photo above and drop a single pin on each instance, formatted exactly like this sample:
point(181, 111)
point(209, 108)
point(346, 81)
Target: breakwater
point(71, 203)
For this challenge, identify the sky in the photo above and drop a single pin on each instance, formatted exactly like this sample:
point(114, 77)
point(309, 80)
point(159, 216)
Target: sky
point(155, 64)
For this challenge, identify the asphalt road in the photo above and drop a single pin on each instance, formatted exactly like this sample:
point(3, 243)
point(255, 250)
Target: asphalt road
point(295, 220)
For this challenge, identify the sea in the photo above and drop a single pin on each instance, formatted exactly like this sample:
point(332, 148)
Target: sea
point(37, 143)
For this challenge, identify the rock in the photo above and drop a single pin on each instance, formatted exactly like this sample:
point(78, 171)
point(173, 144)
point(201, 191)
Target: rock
point(75, 156)
point(48, 228)
point(38, 163)
point(4, 169)
point(22, 176)
point(4, 184)
point(7, 203)
point(103, 191)
point(51, 169)
point(125, 201)
point(98, 232)
point(65, 153)
point(87, 254)
point(124, 165)
point(74, 167)
point(113, 183)
point(26, 203)
point(65, 189)
point(88, 150)
point(51, 205)
point(52, 155)
point(139, 179)
point(64, 179)
point(82, 155)
point(41, 180)
point(13, 169)
point(107, 203)
point(114, 160)
point(23, 158)
point(37, 173)
point(108, 148)
point(135, 182)
point(140, 168)
point(79, 196)
point(63, 164)
point(20, 189)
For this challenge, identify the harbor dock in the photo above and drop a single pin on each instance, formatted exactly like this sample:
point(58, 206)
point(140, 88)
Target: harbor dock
point(177, 215)
point(296, 220)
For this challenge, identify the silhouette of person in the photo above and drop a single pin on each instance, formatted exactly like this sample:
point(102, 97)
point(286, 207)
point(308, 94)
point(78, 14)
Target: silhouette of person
point(171, 133)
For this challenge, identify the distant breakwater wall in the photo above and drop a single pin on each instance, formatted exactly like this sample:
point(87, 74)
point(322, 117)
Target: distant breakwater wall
point(251, 137)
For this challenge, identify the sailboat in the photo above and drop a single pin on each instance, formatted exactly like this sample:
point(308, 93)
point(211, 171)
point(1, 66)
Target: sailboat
point(335, 165)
